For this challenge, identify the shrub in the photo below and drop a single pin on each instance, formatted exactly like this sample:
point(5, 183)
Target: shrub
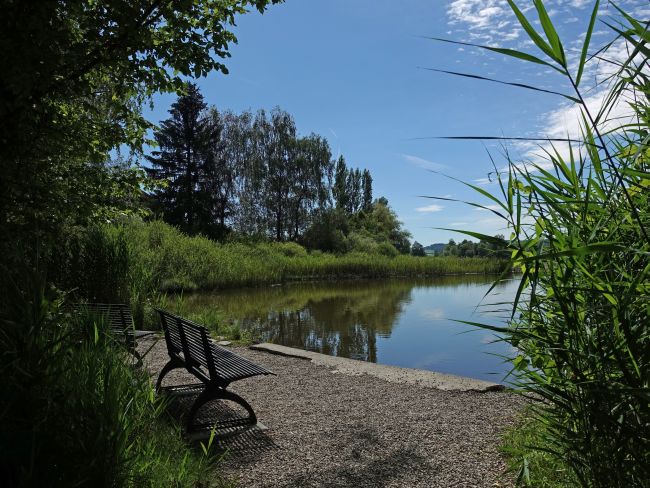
point(291, 249)
point(387, 249)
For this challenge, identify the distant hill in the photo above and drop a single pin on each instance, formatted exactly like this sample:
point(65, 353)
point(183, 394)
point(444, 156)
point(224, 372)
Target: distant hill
point(434, 248)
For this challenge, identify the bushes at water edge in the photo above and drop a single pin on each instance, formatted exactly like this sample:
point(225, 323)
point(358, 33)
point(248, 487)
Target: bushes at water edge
point(176, 261)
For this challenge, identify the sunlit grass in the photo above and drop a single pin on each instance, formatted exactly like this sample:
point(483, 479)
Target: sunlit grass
point(180, 262)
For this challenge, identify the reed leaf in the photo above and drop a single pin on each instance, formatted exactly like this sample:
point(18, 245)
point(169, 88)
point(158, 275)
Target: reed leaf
point(520, 85)
point(585, 45)
point(580, 320)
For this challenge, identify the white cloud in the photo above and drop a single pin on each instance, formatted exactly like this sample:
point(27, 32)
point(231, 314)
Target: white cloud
point(489, 207)
point(430, 208)
point(423, 163)
point(485, 181)
point(565, 121)
point(580, 3)
point(487, 20)
point(493, 22)
point(642, 13)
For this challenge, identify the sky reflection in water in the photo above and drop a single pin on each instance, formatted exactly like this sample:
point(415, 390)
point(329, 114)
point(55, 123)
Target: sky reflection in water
point(405, 322)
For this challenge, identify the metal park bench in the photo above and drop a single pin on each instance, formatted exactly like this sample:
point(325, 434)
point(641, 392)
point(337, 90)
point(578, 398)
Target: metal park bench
point(190, 347)
point(120, 322)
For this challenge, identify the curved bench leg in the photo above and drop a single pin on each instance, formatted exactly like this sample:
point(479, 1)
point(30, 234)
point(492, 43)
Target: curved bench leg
point(172, 364)
point(234, 397)
point(138, 358)
point(210, 394)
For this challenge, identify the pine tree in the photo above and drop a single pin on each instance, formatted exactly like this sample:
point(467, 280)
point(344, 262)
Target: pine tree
point(183, 142)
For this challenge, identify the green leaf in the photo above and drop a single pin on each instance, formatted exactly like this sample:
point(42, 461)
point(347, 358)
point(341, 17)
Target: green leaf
point(500, 50)
point(477, 205)
point(585, 46)
point(477, 235)
point(534, 36)
point(551, 33)
point(520, 85)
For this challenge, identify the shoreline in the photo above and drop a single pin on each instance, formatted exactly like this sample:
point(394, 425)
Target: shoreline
point(334, 278)
point(393, 374)
point(325, 427)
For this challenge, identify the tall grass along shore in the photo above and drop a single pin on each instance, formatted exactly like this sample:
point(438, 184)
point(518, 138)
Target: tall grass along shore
point(175, 261)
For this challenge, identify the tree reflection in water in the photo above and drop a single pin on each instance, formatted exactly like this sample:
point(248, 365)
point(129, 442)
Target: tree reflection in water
point(339, 319)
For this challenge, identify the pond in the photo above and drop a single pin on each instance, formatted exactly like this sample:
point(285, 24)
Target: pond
point(402, 322)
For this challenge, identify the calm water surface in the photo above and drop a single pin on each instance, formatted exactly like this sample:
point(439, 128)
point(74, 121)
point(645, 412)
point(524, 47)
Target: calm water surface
point(407, 323)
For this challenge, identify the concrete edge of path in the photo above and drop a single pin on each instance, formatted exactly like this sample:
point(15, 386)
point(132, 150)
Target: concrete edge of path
point(393, 374)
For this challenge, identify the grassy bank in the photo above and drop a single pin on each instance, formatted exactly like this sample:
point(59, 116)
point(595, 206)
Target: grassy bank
point(175, 261)
point(529, 455)
point(75, 413)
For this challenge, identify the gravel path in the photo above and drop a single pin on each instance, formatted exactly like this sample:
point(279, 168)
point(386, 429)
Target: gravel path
point(338, 430)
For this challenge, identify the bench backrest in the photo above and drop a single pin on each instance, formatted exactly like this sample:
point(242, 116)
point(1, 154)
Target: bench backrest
point(190, 343)
point(118, 314)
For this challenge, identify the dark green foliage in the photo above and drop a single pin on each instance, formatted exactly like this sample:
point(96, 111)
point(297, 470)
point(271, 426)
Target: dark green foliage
point(352, 189)
point(339, 190)
point(99, 268)
point(417, 249)
point(496, 248)
point(74, 413)
point(375, 230)
point(253, 175)
point(250, 174)
point(197, 185)
point(74, 76)
point(328, 231)
point(366, 184)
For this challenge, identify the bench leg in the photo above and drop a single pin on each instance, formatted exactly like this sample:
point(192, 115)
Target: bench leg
point(172, 364)
point(210, 394)
point(138, 358)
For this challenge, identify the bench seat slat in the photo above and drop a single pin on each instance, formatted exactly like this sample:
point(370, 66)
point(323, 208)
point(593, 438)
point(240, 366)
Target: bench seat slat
point(190, 347)
point(119, 321)
point(227, 365)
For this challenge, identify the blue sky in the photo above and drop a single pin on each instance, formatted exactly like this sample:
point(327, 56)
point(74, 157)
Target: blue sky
point(352, 72)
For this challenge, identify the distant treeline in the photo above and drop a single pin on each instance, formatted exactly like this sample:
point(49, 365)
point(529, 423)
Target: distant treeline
point(471, 249)
point(222, 173)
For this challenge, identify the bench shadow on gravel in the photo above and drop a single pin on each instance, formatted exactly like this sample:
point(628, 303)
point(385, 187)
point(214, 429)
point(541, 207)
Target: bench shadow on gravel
point(364, 460)
point(232, 435)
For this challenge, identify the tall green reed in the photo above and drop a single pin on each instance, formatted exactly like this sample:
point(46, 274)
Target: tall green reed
point(581, 319)
point(73, 412)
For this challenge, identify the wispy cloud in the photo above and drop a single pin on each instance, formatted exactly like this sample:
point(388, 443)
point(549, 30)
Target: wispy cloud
point(493, 22)
point(488, 21)
point(430, 208)
point(489, 207)
point(565, 121)
point(485, 181)
point(423, 163)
